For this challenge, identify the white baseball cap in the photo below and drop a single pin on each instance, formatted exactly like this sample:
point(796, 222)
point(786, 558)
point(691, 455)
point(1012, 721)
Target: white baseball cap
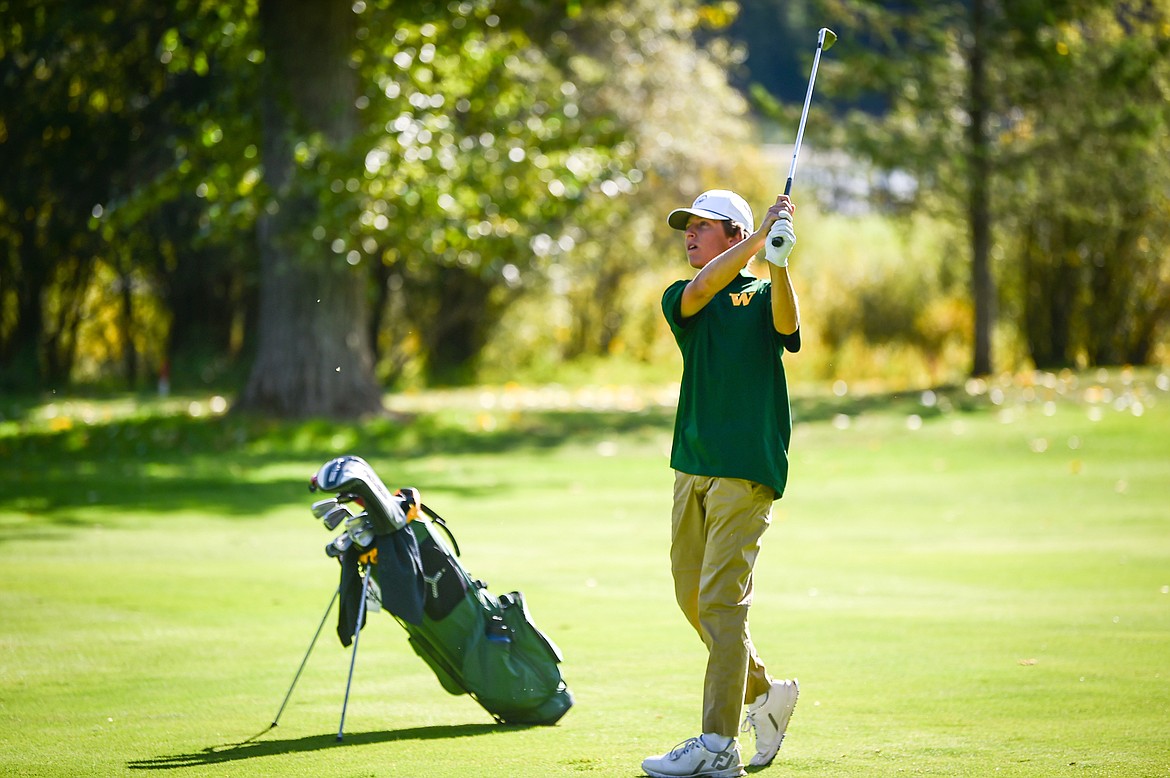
point(722, 204)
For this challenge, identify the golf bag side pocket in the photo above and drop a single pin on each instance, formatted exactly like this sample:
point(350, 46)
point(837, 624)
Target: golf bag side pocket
point(519, 620)
point(511, 666)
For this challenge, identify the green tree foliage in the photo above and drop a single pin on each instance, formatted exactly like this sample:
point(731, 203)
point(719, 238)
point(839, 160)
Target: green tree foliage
point(491, 149)
point(115, 149)
point(470, 136)
point(63, 127)
point(479, 158)
point(507, 153)
point(1012, 116)
point(685, 129)
point(931, 66)
point(1089, 218)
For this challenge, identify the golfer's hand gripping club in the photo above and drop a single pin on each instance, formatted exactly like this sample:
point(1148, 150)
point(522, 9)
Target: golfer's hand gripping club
point(781, 239)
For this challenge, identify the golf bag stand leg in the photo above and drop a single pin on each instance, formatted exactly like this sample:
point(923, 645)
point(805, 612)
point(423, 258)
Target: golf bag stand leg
point(313, 642)
point(353, 657)
point(297, 677)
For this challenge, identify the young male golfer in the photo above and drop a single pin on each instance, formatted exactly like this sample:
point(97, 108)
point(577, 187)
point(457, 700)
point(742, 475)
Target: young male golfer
point(730, 457)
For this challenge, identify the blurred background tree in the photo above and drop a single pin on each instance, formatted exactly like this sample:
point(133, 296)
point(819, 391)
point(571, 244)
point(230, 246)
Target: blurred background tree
point(1044, 128)
point(314, 205)
point(313, 353)
point(123, 132)
point(1088, 222)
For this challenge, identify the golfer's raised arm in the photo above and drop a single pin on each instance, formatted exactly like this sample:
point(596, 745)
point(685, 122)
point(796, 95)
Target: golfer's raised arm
point(718, 273)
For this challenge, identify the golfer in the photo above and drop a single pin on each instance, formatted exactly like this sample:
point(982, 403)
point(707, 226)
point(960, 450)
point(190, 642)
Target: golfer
point(730, 457)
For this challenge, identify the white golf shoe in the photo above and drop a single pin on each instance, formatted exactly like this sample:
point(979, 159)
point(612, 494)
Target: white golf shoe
point(692, 759)
point(768, 715)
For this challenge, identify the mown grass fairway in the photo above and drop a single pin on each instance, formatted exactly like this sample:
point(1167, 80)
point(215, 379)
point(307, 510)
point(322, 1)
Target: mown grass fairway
point(965, 584)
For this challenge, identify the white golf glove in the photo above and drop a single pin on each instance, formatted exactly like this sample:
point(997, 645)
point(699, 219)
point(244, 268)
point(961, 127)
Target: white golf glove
point(781, 239)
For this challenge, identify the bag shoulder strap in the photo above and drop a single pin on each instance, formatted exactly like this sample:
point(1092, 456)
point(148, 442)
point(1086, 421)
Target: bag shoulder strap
point(439, 520)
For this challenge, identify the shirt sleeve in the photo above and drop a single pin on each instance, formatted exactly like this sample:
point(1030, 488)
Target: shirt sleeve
point(672, 307)
point(791, 342)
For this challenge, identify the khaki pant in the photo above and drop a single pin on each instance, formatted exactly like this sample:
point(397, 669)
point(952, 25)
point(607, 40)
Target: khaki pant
point(716, 528)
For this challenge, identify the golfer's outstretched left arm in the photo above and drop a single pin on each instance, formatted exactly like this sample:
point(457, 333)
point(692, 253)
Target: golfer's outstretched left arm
point(785, 307)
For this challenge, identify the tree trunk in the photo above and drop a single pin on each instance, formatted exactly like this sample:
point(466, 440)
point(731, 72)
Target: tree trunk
point(22, 361)
point(314, 356)
point(1050, 293)
point(60, 334)
point(979, 206)
point(128, 324)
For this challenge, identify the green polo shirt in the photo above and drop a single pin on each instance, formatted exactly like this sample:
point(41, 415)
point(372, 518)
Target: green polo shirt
point(733, 418)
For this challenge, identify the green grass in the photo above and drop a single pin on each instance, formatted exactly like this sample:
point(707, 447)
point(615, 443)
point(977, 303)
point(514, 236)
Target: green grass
point(976, 585)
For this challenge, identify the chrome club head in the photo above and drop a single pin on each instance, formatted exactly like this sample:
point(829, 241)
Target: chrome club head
point(360, 530)
point(334, 517)
point(338, 545)
point(322, 507)
point(826, 38)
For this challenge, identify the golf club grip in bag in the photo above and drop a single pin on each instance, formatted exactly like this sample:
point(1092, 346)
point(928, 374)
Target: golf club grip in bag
point(475, 642)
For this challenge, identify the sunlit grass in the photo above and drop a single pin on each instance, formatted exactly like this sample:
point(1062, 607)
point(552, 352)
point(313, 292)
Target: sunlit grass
point(968, 580)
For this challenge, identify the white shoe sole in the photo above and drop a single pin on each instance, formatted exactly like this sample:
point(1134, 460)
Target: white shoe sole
point(731, 772)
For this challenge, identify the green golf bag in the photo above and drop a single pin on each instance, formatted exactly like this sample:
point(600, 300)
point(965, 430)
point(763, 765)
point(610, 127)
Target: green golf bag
point(476, 643)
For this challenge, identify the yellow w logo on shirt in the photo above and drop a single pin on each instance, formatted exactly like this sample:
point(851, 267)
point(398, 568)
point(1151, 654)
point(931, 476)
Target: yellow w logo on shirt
point(741, 298)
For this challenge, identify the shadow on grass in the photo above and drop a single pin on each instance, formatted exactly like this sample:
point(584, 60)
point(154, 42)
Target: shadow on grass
point(252, 750)
point(239, 441)
point(170, 462)
point(244, 439)
point(222, 466)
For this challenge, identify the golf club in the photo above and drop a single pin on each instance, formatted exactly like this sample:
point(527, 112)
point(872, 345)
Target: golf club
point(322, 507)
point(335, 517)
point(353, 655)
point(825, 40)
point(338, 545)
point(360, 530)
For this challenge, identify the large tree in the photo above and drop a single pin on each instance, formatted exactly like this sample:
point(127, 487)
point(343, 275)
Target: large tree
point(929, 66)
point(314, 355)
